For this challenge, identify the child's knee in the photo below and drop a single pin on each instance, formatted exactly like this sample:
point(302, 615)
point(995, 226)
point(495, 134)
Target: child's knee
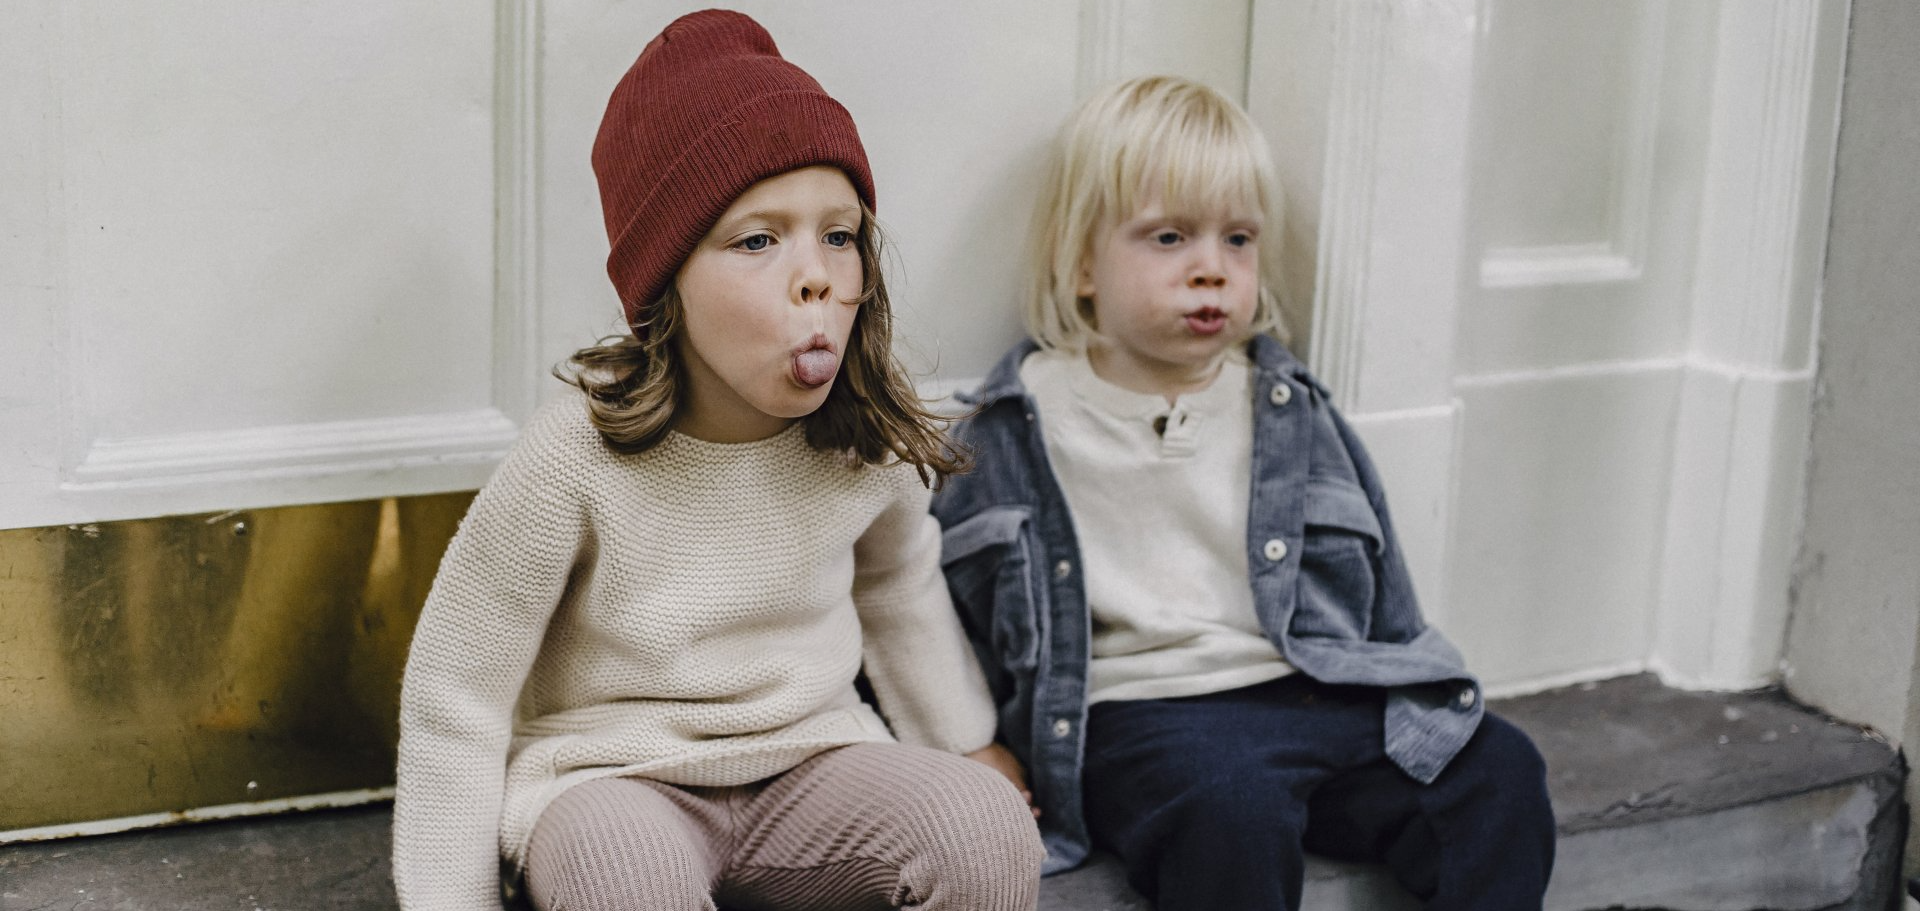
point(1509, 754)
point(991, 861)
point(589, 854)
point(576, 874)
point(988, 851)
point(1509, 778)
point(1260, 820)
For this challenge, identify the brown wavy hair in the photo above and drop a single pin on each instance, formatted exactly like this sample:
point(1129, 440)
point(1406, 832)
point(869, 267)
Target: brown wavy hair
point(635, 383)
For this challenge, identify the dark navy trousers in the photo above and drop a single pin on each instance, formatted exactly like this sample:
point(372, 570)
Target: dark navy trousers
point(1211, 800)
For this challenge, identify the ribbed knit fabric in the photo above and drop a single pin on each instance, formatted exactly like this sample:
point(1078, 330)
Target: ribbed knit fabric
point(866, 826)
point(694, 614)
point(707, 110)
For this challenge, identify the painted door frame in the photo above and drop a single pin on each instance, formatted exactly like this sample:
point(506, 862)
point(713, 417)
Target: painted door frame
point(1381, 193)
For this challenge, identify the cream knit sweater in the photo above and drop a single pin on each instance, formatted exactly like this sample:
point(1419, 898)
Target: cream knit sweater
point(694, 614)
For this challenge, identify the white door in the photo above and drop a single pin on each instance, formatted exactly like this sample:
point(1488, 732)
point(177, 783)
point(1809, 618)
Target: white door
point(1563, 260)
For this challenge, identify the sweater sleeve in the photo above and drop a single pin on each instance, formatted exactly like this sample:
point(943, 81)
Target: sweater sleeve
point(930, 688)
point(476, 641)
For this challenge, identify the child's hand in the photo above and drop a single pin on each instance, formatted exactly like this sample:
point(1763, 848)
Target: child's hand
point(1000, 759)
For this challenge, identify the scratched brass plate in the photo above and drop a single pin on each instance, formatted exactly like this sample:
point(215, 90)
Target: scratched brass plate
point(159, 665)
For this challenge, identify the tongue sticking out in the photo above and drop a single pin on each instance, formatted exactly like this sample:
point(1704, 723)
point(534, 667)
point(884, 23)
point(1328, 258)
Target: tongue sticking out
point(815, 367)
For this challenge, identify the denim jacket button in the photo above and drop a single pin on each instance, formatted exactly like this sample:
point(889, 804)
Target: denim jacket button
point(1281, 394)
point(1276, 550)
point(1062, 727)
point(1062, 569)
point(1466, 697)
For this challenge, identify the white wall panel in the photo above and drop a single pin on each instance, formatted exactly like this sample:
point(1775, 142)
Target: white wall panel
point(1199, 39)
point(32, 343)
point(1589, 124)
point(254, 258)
point(1289, 92)
point(1565, 131)
point(276, 215)
point(1414, 453)
point(1557, 531)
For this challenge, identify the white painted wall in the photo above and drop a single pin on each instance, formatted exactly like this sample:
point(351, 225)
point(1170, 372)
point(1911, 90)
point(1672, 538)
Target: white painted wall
point(250, 247)
point(262, 254)
point(1561, 259)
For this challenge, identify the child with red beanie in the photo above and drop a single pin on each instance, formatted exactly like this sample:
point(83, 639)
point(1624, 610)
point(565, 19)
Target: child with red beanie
point(633, 685)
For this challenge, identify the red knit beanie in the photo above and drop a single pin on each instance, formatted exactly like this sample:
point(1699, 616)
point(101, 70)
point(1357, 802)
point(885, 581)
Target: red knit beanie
point(709, 109)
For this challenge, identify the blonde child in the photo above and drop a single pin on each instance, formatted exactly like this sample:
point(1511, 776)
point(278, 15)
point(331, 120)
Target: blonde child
point(1176, 560)
point(633, 684)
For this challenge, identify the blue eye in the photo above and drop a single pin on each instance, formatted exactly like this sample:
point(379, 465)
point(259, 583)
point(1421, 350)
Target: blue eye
point(754, 243)
point(840, 238)
point(1167, 238)
point(1239, 240)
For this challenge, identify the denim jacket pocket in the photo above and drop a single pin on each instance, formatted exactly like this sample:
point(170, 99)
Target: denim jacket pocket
point(988, 560)
point(1339, 562)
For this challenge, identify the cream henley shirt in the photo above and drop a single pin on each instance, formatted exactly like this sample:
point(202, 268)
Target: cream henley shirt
point(1158, 494)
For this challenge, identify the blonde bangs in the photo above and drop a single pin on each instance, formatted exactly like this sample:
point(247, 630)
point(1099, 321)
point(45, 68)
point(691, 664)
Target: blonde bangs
point(1199, 157)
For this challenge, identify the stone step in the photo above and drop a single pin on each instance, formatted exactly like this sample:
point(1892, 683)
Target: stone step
point(1666, 799)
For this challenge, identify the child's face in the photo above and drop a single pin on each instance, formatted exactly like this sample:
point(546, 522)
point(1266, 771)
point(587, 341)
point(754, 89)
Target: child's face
point(769, 302)
point(1171, 292)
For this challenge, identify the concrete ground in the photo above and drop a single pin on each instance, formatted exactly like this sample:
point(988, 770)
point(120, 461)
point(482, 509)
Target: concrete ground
point(1666, 799)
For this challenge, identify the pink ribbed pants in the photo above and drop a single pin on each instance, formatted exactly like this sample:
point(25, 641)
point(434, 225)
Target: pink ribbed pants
point(867, 826)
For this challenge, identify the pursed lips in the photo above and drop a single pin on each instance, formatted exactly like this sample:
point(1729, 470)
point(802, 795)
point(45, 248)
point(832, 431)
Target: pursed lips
point(1207, 320)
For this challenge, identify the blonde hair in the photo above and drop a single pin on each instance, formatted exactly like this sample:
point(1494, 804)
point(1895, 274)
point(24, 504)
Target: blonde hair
point(635, 383)
point(1155, 134)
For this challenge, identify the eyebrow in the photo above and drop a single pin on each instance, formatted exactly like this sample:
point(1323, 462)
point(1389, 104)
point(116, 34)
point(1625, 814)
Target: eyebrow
point(1148, 226)
point(780, 216)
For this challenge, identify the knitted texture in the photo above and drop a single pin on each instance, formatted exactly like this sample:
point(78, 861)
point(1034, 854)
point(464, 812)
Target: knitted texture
point(709, 109)
point(866, 826)
point(695, 614)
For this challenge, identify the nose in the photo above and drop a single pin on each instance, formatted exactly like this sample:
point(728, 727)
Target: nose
point(1209, 267)
point(812, 281)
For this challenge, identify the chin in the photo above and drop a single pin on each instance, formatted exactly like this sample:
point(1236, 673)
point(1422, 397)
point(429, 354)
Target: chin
point(798, 403)
point(1203, 349)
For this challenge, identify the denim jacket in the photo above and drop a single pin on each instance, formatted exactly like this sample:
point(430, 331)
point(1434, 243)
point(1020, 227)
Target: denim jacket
point(1329, 582)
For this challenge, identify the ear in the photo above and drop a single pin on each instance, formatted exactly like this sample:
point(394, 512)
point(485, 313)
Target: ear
point(1083, 278)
